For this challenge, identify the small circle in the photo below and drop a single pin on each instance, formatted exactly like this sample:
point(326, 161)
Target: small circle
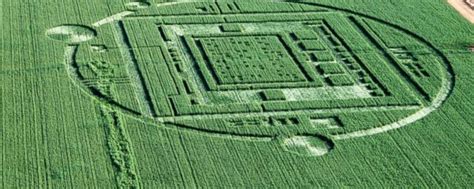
point(71, 33)
point(308, 145)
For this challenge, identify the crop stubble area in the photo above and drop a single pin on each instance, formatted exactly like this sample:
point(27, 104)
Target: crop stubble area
point(152, 94)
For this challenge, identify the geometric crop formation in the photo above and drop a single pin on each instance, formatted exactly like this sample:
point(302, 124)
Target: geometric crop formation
point(236, 93)
point(258, 70)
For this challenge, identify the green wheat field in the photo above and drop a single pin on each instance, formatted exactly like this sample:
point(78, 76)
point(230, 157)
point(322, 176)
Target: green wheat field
point(236, 94)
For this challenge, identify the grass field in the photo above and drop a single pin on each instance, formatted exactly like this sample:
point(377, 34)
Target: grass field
point(236, 94)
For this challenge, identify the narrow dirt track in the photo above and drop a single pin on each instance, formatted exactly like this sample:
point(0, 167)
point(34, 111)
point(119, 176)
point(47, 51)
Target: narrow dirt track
point(463, 9)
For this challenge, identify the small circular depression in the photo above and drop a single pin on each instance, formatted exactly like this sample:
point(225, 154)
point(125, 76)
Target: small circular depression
point(71, 33)
point(308, 145)
point(136, 5)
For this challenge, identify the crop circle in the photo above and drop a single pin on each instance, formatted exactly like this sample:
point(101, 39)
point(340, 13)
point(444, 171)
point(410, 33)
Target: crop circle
point(71, 33)
point(307, 72)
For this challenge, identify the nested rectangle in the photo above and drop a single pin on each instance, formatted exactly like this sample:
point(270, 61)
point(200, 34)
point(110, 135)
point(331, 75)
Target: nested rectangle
point(243, 61)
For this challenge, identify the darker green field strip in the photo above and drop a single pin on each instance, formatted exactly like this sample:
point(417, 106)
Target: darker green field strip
point(120, 151)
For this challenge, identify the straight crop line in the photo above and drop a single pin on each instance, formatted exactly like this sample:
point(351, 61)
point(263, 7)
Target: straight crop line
point(389, 57)
point(280, 113)
point(230, 14)
point(36, 69)
point(136, 75)
point(410, 161)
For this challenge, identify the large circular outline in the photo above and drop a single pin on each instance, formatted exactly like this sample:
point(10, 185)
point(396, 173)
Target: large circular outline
point(447, 86)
